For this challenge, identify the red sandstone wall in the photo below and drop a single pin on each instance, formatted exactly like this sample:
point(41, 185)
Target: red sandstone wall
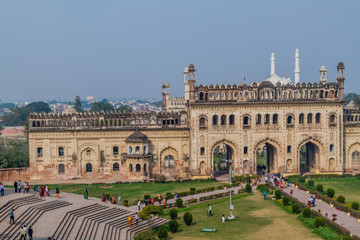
point(14, 174)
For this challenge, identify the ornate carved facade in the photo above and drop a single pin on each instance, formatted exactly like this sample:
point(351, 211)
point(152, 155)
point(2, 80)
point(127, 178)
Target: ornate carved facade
point(303, 127)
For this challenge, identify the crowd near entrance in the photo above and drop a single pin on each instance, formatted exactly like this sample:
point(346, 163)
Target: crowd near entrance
point(221, 154)
point(309, 157)
point(265, 158)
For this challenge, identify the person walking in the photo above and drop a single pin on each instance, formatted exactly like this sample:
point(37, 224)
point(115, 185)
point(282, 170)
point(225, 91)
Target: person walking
point(223, 218)
point(159, 198)
point(12, 217)
point(265, 194)
point(57, 191)
point(25, 187)
point(166, 198)
point(139, 205)
point(130, 220)
point(15, 186)
point(2, 189)
point(136, 219)
point(86, 194)
point(103, 198)
point(28, 188)
point(19, 186)
point(22, 233)
point(210, 210)
point(119, 200)
point(30, 233)
point(113, 200)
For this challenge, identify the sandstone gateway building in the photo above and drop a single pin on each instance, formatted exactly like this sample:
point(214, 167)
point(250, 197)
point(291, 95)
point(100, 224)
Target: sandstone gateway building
point(301, 127)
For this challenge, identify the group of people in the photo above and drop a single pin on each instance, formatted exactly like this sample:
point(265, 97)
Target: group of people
point(311, 202)
point(26, 233)
point(44, 191)
point(136, 220)
point(17, 187)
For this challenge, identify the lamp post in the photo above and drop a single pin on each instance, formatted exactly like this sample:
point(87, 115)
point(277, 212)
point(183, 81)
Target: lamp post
point(231, 206)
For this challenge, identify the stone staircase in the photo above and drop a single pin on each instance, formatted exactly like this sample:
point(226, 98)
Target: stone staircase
point(15, 204)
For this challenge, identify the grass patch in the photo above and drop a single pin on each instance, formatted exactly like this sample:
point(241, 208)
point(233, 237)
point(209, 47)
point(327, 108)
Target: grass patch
point(134, 191)
point(348, 187)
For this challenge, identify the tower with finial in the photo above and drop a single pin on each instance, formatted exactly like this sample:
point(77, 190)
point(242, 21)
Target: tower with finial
point(341, 79)
point(191, 80)
point(323, 79)
point(297, 67)
point(186, 84)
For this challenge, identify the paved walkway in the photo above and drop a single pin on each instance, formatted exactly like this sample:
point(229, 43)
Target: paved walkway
point(195, 196)
point(349, 222)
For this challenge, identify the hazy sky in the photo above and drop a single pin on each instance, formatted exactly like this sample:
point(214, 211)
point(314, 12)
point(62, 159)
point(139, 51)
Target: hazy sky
point(114, 49)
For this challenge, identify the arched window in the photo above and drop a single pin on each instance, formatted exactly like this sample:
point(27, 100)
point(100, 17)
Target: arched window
point(115, 167)
point(332, 118)
point(61, 168)
point(301, 118)
point(289, 119)
point(130, 150)
point(246, 120)
point(202, 122)
point(317, 118)
point(231, 120)
point(61, 151)
point(355, 159)
point(206, 96)
point(331, 147)
point(201, 96)
point(137, 150)
point(223, 120)
point(275, 119)
point(144, 167)
point(88, 152)
point(267, 119)
point(115, 150)
point(130, 167)
point(258, 119)
point(309, 118)
point(88, 167)
point(38, 123)
point(145, 150)
point(138, 168)
point(169, 161)
point(289, 149)
point(245, 150)
point(215, 120)
point(33, 124)
point(202, 151)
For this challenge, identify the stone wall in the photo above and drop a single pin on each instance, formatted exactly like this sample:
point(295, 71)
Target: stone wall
point(12, 174)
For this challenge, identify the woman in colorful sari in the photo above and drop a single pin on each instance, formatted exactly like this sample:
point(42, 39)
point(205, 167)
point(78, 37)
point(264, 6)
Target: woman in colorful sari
point(113, 201)
point(86, 194)
point(41, 192)
point(103, 198)
point(47, 192)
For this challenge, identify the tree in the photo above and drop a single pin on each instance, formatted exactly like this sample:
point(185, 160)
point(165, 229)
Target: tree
point(149, 213)
point(20, 115)
point(77, 106)
point(101, 106)
point(124, 108)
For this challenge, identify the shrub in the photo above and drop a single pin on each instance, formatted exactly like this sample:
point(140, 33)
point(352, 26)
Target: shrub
point(330, 192)
point(248, 188)
point(170, 195)
point(278, 194)
point(179, 203)
point(160, 179)
point(348, 238)
point(302, 179)
point(173, 214)
point(192, 189)
point(306, 213)
point(319, 221)
point(355, 205)
point(126, 203)
point(295, 208)
point(311, 183)
point(286, 201)
point(162, 233)
point(188, 218)
point(320, 187)
point(340, 199)
point(173, 226)
point(146, 235)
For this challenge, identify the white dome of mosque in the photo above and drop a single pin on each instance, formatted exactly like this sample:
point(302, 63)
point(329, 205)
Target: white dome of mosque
point(274, 79)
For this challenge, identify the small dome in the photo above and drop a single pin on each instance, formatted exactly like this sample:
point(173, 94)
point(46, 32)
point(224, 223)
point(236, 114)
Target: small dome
point(137, 137)
point(266, 84)
point(322, 68)
point(191, 68)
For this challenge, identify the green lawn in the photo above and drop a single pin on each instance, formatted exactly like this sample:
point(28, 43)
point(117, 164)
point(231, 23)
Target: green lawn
point(255, 219)
point(348, 187)
point(134, 191)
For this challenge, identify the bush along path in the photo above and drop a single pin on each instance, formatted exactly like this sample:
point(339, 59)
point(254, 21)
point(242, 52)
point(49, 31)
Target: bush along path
point(197, 197)
point(348, 222)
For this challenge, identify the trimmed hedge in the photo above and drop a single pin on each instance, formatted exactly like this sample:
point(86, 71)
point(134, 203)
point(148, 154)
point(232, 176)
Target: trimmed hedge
point(306, 213)
point(173, 214)
point(340, 199)
point(320, 187)
point(173, 226)
point(188, 218)
point(179, 203)
point(330, 192)
point(311, 183)
point(355, 205)
point(319, 222)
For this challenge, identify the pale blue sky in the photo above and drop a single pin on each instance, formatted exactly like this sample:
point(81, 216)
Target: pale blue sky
point(113, 49)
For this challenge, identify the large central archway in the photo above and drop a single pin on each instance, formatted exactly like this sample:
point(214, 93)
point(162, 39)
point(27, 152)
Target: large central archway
point(266, 155)
point(220, 154)
point(309, 157)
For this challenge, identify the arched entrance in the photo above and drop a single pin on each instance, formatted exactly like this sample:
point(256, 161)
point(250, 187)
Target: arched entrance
point(266, 158)
point(309, 157)
point(220, 155)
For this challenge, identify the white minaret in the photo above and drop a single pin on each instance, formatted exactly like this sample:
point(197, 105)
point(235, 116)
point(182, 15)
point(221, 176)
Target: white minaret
point(272, 60)
point(297, 66)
